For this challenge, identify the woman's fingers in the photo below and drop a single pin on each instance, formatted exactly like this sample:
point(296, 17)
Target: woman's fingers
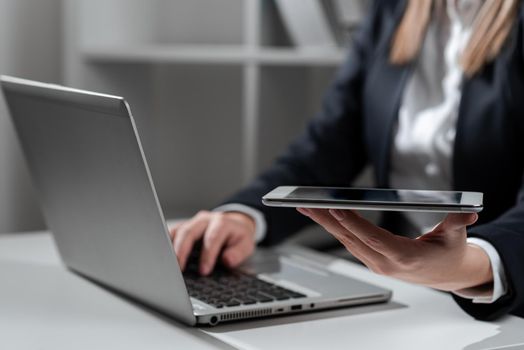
point(457, 221)
point(379, 249)
point(378, 239)
point(451, 231)
point(174, 228)
point(187, 235)
point(238, 248)
point(214, 238)
point(353, 244)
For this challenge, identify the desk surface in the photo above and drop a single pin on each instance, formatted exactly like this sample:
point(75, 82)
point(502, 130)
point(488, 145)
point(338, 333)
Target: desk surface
point(44, 306)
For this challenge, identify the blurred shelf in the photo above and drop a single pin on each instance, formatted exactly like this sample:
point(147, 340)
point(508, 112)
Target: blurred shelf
point(298, 57)
point(167, 54)
point(208, 54)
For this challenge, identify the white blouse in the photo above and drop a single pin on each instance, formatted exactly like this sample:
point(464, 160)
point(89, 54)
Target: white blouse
point(423, 141)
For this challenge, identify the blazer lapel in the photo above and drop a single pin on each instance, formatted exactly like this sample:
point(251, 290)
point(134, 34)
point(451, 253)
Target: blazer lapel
point(384, 88)
point(394, 81)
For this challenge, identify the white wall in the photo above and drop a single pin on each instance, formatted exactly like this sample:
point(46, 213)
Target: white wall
point(30, 47)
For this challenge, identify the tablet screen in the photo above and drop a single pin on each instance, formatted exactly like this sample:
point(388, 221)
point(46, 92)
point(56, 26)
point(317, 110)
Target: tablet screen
point(375, 195)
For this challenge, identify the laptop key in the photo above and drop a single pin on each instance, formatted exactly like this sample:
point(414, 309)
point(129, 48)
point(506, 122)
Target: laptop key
point(296, 295)
point(263, 298)
point(233, 302)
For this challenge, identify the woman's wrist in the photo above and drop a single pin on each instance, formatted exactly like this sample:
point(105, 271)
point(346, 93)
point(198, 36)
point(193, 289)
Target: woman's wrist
point(475, 274)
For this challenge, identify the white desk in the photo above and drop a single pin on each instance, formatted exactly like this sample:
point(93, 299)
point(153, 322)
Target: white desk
point(44, 306)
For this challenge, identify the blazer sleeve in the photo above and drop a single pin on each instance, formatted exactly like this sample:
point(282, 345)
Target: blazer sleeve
point(330, 152)
point(506, 234)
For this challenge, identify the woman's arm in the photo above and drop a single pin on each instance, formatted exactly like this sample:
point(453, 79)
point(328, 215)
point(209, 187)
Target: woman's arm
point(331, 151)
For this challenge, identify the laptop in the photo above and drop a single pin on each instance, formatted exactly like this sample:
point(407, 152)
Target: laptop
point(84, 153)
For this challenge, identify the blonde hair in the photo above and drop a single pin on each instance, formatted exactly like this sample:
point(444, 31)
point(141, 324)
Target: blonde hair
point(490, 31)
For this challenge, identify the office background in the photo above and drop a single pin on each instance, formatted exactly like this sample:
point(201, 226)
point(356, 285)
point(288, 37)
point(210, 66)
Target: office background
point(217, 88)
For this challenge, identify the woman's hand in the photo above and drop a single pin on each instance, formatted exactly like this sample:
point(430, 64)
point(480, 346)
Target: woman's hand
point(229, 234)
point(440, 259)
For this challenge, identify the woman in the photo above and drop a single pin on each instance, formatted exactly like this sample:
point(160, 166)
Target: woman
point(432, 96)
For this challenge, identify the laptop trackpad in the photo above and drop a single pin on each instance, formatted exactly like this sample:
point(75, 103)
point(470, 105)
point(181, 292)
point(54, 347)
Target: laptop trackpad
point(291, 272)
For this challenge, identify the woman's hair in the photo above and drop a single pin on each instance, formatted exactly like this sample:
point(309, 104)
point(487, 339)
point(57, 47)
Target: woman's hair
point(490, 30)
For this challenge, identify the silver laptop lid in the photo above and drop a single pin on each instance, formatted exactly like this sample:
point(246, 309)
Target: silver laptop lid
point(87, 163)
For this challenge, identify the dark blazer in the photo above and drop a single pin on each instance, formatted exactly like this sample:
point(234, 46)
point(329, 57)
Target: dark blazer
point(354, 128)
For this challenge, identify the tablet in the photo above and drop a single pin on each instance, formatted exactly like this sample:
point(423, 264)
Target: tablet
point(374, 199)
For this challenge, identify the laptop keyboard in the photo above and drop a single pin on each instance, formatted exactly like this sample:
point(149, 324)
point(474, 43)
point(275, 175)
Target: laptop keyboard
point(228, 288)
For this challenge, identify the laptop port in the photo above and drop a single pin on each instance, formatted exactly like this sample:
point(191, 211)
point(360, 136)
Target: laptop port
point(296, 307)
